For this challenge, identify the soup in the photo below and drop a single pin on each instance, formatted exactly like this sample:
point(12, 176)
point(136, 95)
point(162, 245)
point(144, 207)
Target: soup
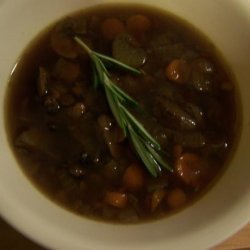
point(122, 113)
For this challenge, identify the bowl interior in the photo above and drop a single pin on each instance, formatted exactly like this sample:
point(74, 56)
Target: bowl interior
point(218, 214)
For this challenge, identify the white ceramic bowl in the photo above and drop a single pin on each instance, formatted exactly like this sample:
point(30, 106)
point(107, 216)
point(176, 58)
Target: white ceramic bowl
point(224, 210)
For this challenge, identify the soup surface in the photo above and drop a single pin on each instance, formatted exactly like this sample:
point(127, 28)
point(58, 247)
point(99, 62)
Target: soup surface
point(67, 140)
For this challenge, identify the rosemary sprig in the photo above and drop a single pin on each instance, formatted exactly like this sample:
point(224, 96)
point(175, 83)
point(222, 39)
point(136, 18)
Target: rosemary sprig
point(146, 146)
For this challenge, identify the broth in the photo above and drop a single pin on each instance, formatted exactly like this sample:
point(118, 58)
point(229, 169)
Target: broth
point(67, 141)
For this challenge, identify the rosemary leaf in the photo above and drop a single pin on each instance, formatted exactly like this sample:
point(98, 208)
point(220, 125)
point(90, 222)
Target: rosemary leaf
point(112, 104)
point(148, 149)
point(158, 158)
point(96, 80)
point(145, 157)
point(83, 45)
point(124, 97)
point(119, 64)
point(141, 129)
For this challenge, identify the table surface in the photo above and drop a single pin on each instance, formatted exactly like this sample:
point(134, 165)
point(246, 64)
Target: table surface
point(10, 239)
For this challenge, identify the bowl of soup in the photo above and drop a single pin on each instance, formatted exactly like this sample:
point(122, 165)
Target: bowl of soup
point(125, 125)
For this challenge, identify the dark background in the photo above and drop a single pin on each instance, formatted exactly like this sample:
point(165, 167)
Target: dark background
point(10, 239)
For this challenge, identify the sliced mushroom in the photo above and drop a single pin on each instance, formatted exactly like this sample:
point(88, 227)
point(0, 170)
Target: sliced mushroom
point(185, 120)
point(42, 82)
point(38, 140)
point(201, 75)
point(194, 111)
point(157, 198)
point(66, 70)
point(51, 105)
point(203, 65)
point(201, 81)
point(111, 137)
point(190, 140)
point(85, 132)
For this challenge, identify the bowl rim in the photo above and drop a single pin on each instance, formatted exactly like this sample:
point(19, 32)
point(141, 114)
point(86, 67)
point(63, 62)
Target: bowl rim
point(20, 223)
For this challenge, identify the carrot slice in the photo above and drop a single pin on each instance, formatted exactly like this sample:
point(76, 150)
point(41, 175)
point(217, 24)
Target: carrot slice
point(176, 198)
point(116, 199)
point(138, 23)
point(192, 169)
point(111, 27)
point(133, 178)
point(178, 71)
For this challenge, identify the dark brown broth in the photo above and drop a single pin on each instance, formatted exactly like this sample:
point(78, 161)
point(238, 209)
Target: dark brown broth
point(50, 168)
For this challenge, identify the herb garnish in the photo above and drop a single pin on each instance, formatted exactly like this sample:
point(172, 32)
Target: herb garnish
point(146, 146)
